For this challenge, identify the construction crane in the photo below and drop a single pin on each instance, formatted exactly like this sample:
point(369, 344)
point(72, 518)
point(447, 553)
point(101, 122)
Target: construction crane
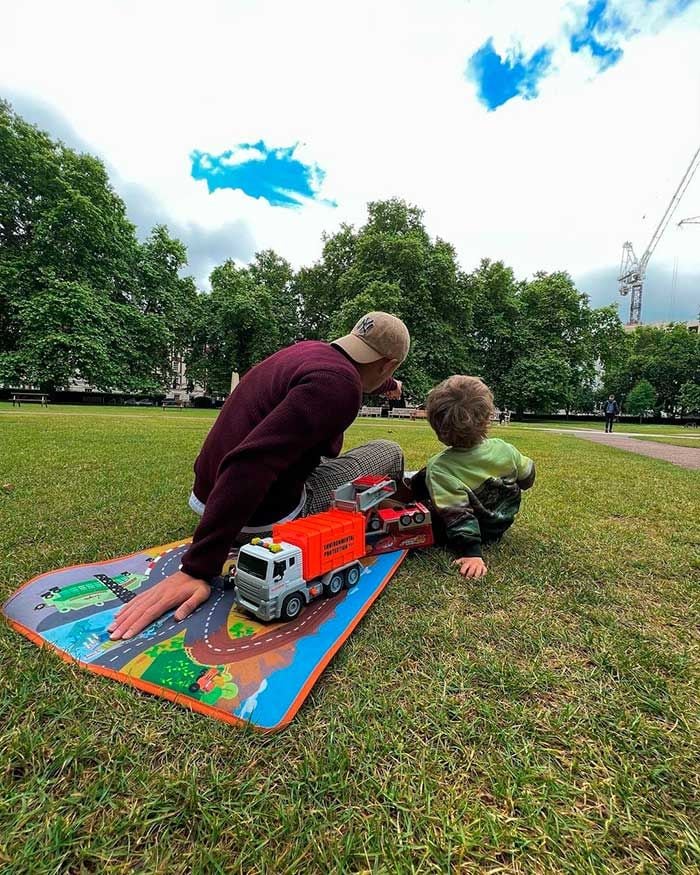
point(633, 269)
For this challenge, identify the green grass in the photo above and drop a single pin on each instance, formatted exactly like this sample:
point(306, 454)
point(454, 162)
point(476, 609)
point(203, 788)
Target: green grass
point(542, 720)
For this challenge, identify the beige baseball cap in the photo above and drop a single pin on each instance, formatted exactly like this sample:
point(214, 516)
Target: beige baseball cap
point(376, 335)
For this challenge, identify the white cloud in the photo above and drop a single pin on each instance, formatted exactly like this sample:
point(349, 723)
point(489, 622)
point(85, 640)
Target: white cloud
point(239, 156)
point(375, 94)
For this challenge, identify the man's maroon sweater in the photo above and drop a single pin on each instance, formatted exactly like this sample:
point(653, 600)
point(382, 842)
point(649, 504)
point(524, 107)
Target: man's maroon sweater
point(285, 414)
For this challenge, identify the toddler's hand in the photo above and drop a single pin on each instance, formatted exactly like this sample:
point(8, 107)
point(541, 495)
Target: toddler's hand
point(471, 566)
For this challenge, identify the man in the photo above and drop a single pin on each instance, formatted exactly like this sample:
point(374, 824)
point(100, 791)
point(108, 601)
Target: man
point(611, 409)
point(272, 454)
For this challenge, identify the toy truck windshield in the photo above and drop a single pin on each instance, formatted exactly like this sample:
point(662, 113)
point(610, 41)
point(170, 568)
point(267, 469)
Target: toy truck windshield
point(252, 565)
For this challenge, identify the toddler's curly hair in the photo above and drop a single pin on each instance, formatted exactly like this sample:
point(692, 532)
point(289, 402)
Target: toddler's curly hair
point(459, 410)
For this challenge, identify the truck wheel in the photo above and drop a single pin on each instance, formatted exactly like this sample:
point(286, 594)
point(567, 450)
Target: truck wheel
point(375, 524)
point(405, 520)
point(292, 606)
point(419, 517)
point(353, 577)
point(334, 585)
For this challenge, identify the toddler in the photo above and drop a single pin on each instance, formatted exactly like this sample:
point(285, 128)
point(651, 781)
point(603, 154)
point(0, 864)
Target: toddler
point(474, 485)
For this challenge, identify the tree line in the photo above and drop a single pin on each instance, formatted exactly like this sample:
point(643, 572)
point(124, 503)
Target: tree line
point(82, 298)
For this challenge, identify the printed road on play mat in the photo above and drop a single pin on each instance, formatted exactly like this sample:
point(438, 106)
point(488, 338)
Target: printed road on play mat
point(218, 661)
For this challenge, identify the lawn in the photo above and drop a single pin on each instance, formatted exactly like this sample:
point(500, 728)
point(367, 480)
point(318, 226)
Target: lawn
point(542, 720)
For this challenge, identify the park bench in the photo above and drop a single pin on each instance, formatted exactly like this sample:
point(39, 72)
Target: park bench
point(401, 413)
point(370, 411)
point(29, 397)
point(169, 403)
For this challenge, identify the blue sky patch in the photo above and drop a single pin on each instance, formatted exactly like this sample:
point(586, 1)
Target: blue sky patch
point(274, 174)
point(599, 34)
point(498, 79)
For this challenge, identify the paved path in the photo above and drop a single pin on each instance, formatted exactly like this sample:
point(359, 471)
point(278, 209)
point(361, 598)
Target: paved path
point(690, 434)
point(685, 457)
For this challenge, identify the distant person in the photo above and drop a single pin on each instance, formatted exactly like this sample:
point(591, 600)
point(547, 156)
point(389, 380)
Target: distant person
point(611, 409)
point(474, 486)
point(273, 454)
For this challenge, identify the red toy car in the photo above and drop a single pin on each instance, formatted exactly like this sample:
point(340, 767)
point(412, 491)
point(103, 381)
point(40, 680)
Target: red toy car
point(394, 526)
point(399, 528)
point(205, 680)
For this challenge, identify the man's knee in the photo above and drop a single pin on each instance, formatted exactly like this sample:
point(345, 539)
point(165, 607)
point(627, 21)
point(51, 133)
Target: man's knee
point(391, 448)
point(388, 454)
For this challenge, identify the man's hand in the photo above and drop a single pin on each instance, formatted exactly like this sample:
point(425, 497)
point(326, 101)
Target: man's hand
point(471, 566)
point(397, 392)
point(177, 591)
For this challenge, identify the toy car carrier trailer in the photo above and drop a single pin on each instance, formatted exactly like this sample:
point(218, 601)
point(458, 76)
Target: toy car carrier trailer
point(277, 577)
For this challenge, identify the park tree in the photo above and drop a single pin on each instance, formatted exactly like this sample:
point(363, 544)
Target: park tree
point(79, 296)
point(391, 263)
point(641, 399)
point(164, 293)
point(608, 337)
point(538, 344)
point(555, 351)
point(666, 357)
point(274, 275)
point(238, 325)
point(582, 398)
point(316, 287)
point(689, 397)
point(496, 340)
point(539, 381)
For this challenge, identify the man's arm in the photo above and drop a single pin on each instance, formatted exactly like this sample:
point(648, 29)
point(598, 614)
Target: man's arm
point(319, 408)
point(392, 389)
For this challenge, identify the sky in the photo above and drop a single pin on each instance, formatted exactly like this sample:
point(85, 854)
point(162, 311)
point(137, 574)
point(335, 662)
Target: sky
point(543, 134)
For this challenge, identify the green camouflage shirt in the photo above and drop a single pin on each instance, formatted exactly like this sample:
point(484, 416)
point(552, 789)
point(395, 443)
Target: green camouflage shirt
point(476, 492)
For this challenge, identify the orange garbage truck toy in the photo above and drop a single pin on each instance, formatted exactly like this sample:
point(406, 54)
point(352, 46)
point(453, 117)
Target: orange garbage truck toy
point(316, 555)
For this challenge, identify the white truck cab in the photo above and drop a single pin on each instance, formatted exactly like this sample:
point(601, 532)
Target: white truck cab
point(270, 582)
point(265, 575)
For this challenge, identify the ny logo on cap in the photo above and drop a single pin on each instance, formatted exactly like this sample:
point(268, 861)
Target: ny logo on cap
point(364, 326)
